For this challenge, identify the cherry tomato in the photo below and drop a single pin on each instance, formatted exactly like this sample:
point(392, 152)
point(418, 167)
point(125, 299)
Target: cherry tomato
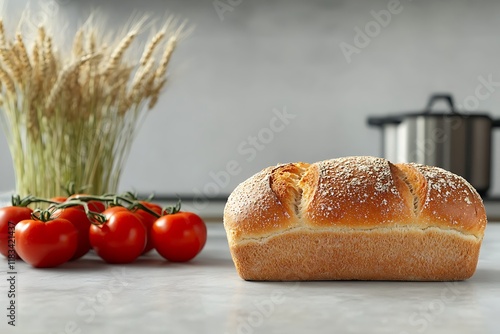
point(121, 239)
point(46, 244)
point(59, 199)
point(9, 217)
point(180, 236)
point(148, 221)
point(95, 206)
point(113, 209)
point(145, 217)
point(77, 216)
point(153, 206)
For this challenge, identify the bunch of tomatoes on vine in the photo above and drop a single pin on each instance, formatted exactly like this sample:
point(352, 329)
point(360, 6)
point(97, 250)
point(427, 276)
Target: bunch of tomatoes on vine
point(119, 228)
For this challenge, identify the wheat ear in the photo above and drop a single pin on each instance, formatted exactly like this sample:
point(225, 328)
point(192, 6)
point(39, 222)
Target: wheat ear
point(62, 79)
point(23, 54)
point(78, 44)
point(155, 41)
point(119, 51)
point(9, 61)
point(167, 54)
point(7, 80)
point(155, 95)
point(3, 41)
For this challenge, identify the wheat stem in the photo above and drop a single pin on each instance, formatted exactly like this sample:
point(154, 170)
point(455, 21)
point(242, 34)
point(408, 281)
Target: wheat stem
point(72, 116)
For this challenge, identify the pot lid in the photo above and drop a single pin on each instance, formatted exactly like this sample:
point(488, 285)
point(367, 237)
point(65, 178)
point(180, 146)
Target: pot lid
point(427, 112)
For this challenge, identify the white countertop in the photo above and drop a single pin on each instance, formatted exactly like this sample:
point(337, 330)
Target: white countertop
point(207, 296)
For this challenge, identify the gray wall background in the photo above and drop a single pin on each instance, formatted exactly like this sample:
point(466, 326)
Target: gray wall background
point(258, 57)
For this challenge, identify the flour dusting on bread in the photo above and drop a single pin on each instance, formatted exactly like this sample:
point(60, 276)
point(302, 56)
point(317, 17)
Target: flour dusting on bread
point(355, 218)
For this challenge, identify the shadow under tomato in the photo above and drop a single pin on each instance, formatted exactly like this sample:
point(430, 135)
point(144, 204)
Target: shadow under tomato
point(82, 264)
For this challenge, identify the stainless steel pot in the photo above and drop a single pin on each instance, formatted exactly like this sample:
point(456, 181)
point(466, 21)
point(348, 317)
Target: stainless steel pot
point(457, 141)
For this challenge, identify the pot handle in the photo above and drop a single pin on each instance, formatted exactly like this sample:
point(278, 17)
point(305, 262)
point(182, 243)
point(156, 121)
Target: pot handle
point(383, 120)
point(436, 97)
point(495, 123)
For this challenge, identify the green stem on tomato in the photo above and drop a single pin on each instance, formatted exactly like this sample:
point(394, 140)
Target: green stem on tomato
point(25, 201)
point(91, 215)
point(16, 200)
point(41, 215)
point(130, 195)
point(96, 218)
point(173, 209)
point(169, 210)
point(139, 205)
point(88, 198)
point(70, 188)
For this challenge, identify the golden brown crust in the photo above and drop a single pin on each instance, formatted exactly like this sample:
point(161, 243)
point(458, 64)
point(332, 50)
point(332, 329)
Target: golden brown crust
point(338, 199)
point(358, 192)
point(451, 202)
point(254, 207)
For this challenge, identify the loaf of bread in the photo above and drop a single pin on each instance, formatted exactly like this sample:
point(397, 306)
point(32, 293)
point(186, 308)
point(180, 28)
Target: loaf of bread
point(355, 218)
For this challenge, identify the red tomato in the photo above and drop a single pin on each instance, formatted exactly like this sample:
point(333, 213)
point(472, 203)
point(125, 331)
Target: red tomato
point(12, 214)
point(121, 239)
point(155, 207)
point(77, 216)
point(180, 236)
point(112, 209)
point(46, 244)
point(59, 199)
point(148, 221)
point(94, 206)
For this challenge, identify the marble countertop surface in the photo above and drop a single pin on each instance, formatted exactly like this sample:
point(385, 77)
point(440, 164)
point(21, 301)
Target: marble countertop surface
point(207, 296)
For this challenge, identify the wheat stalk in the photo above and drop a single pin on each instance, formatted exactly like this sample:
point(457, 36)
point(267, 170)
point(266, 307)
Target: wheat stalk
point(62, 80)
point(155, 93)
point(49, 57)
point(78, 44)
point(73, 116)
point(7, 81)
point(151, 47)
point(23, 54)
point(169, 50)
point(117, 54)
point(3, 40)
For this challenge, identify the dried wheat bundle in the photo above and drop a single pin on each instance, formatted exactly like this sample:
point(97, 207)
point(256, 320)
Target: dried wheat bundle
point(72, 116)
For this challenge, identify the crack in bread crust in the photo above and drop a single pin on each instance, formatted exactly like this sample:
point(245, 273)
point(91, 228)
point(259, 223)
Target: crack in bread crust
point(367, 205)
point(403, 173)
point(285, 181)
